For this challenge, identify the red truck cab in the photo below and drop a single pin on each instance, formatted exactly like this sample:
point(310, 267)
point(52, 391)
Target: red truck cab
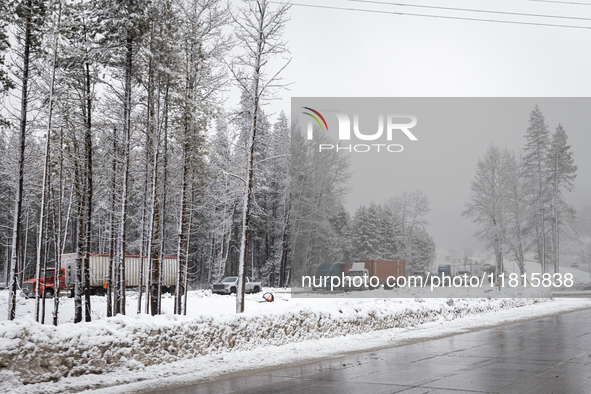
point(48, 285)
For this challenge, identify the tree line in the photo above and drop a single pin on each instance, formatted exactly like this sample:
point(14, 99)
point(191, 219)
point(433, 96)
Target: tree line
point(115, 139)
point(518, 197)
point(322, 229)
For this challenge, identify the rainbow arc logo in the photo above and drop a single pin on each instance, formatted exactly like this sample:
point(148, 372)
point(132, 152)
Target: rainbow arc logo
point(315, 118)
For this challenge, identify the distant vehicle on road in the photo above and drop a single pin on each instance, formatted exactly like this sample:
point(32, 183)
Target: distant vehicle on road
point(327, 270)
point(575, 265)
point(449, 270)
point(230, 284)
point(359, 277)
point(465, 276)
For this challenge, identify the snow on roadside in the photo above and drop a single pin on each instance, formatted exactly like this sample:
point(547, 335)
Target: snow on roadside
point(218, 366)
point(33, 353)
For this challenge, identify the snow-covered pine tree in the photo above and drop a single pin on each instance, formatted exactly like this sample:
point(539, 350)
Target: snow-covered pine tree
point(340, 244)
point(5, 82)
point(363, 235)
point(223, 189)
point(389, 235)
point(536, 164)
point(561, 175)
point(423, 250)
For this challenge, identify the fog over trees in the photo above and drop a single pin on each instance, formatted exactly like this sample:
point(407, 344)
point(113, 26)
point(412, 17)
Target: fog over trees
point(518, 198)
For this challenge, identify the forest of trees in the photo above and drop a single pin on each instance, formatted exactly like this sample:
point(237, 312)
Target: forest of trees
point(518, 197)
point(115, 139)
point(324, 231)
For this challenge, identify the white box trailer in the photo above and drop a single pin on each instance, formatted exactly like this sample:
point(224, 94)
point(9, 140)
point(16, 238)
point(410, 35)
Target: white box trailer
point(99, 271)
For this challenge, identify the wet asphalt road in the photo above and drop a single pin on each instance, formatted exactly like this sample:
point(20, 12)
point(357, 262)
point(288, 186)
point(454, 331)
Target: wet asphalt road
point(551, 355)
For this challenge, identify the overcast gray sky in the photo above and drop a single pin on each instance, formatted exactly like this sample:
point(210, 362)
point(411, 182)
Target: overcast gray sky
point(338, 53)
point(452, 134)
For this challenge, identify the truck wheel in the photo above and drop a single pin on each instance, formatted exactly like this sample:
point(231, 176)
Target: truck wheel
point(48, 293)
point(233, 290)
point(256, 289)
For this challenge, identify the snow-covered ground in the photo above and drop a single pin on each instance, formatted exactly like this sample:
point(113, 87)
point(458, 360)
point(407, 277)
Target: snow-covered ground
point(579, 275)
point(200, 303)
point(212, 339)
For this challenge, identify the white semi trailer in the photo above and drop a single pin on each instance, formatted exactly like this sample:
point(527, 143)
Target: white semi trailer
point(99, 272)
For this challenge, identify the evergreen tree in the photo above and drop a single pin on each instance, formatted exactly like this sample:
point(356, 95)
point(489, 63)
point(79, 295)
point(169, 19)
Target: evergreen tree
point(561, 175)
point(341, 223)
point(5, 81)
point(390, 246)
point(361, 235)
point(536, 153)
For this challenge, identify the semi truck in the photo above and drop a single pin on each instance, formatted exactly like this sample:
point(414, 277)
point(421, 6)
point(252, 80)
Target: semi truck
point(48, 284)
point(359, 277)
point(383, 269)
point(99, 272)
point(331, 269)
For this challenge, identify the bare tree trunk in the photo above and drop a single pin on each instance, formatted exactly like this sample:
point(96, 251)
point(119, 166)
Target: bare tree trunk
point(89, 192)
point(143, 231)
point(188, 243)
point(125, 171)
point(42, 224)
point(181, 246)
point(112, 227)
point(246, 212)
point(58, 243)
point(182, 233)
point(556, 225)
point(46, 162)
point(261, 9)
point(24, 247)
point(78, 286)
point(283, 259)
point(45, 253)
point(80, 244)
point(154, 233)
point(154, 241)
point(16, 228)
point(164, 189)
